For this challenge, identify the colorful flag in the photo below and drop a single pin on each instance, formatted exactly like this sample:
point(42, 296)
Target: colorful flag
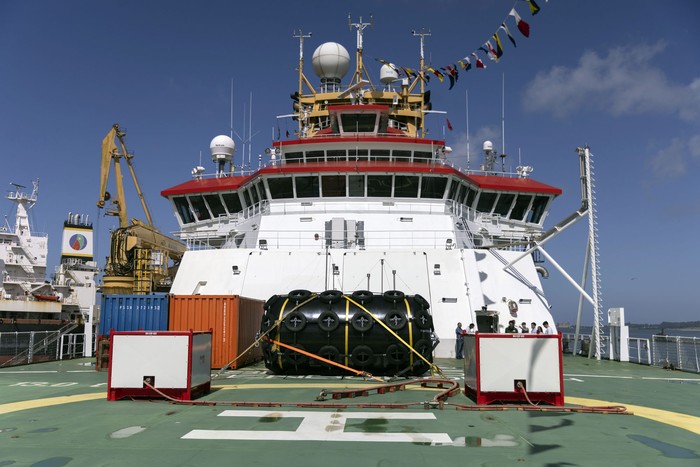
point(523, 27)
point(505, 28)
point(287, 133)
point(465, 66)
point(493, 54)
point(449, 125)
point(437, 73)
point(499, 47)
point(534, 8)
point(479, 63)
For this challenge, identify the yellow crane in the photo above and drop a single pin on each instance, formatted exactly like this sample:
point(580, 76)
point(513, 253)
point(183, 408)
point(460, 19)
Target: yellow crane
point(140, 255)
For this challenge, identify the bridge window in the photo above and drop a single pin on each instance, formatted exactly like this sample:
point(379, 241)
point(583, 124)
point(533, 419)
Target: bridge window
point(537, 210)
point(433, 187)
point(254, 194)
point(405, 186)
point(379, 154)
point(486, 201)
point(402, 156)
point(378, 185)
point(314, 156)
point(454, 184)
point(215, 204)
point(293, 157)
point(246, 198)
point(356, 185)
point(261, 190)
point(521, 204)
point(200, 209)
point(504, 202)
point(336, 155)
point(471, 194)
point(359, 123)
point(358, 154)
point(280, 188)
point(333, 185)
point(307, 187)
point(420, 156)
point(233, 202)
point(183, 210)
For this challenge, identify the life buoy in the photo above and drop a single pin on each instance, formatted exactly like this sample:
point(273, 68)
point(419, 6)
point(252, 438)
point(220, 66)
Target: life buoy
point(362, 355)
point(328, 321)
point(295, 321)
point(330, 296)
point(362, 296)
point(394, 296)
point(299, 295)
point(395, 320)
point(396, 354)
point(361, 321)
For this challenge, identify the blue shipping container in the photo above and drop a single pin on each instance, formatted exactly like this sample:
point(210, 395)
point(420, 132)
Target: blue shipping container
point(134, 313)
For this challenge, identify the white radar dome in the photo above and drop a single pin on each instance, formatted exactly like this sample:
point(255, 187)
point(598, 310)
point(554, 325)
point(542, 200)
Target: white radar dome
point(387, 74)
point(488, 146)
point(330, 60)
point(222, 148)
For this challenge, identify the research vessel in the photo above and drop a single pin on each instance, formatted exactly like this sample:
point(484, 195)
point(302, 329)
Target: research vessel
point(361, 197)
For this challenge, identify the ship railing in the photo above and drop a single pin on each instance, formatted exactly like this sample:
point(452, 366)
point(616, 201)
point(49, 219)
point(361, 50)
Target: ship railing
point(31, 346)
point(669, 352)
point(676, 352)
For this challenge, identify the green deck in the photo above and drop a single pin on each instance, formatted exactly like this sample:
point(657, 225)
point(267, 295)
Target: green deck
point(87, 430)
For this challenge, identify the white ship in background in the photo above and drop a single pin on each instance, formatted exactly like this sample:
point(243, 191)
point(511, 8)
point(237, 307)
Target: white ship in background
point(362, 200)
point(28, 299)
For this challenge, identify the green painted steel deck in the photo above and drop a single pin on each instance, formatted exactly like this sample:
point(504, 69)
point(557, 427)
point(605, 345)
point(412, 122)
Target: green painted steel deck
point(55, 414)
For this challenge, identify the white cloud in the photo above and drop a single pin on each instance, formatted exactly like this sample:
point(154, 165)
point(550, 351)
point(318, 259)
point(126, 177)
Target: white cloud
point(672, 161)
point(625, 82)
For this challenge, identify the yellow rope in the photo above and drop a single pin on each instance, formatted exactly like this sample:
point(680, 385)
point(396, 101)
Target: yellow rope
point(432, 366)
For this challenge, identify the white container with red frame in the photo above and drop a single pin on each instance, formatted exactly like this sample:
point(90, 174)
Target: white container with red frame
point(156, 364)
point(513, 368)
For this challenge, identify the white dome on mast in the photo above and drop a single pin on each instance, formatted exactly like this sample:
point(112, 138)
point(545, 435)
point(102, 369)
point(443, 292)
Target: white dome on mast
point(331, 63)
point(222, 148)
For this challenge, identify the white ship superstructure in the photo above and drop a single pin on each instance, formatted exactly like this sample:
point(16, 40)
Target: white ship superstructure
point(27, 296)
point(362, 200)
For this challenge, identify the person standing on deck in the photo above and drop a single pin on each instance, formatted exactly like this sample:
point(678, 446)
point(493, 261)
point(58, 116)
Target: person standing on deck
point(459, 343)
point(547, 329)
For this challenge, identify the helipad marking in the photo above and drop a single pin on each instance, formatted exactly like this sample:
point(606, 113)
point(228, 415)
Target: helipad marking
point(680, 420)
point(323, 426)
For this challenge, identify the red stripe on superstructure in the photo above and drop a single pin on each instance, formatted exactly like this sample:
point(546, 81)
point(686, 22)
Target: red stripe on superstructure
point(491, 182)
point(206, 185)
point(486, 182)
point(361, 139)
point(358, 108)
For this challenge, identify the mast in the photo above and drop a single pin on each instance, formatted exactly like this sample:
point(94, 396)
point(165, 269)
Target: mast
point(359, 66)
point(421, 71)
point(301, 36)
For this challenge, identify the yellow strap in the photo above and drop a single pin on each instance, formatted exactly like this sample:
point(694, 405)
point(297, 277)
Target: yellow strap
point(275, 347)
point(347, 328)
point(410, 330)
point(432, 366)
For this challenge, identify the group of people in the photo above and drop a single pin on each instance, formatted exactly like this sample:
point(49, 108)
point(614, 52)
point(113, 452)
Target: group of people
point(459, 344)
point(533, 329)
point(512, 328)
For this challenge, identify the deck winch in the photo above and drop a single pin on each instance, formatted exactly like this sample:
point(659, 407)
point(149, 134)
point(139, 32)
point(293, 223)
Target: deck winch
point(383, 334)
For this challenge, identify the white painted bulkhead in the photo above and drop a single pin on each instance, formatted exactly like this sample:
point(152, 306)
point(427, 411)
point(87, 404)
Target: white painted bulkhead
point(468, 279)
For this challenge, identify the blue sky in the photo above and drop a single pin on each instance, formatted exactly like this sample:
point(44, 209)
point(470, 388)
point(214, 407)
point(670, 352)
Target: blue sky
point(622, 77)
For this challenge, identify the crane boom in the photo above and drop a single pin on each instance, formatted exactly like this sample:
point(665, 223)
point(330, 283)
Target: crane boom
point(112, 153)
point(140, 256)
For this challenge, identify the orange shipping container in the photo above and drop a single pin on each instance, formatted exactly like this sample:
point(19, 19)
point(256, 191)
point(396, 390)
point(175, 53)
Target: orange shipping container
point(234, 320)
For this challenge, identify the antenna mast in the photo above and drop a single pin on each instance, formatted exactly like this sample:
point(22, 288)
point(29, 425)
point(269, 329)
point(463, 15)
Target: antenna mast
point(422, 34)
point(359, 66)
